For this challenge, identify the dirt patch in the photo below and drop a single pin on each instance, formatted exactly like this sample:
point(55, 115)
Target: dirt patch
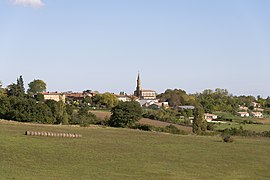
point(102, 114)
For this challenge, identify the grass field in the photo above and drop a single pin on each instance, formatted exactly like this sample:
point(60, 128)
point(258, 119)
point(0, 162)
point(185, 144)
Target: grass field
point(108, 153)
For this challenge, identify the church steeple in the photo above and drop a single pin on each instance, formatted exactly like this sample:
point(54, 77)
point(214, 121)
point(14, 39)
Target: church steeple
point(138, 91)
point(139, 82)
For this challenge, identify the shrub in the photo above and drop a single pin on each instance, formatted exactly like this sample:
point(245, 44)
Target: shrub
point(143, 127)
point(227, 138)
point(210, 127)
point(173, 130)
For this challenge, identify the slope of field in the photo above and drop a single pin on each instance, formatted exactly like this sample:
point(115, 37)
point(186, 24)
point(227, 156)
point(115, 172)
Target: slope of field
point(108, 153)
point(106, 114)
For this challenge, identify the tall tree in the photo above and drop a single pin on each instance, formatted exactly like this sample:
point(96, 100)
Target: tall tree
point(16, 89)
point(199, 124)
point(20, 85)
point(36, 86)
point(125, 114)
point(176, 97)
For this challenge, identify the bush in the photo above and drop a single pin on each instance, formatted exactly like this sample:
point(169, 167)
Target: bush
point(173, 130)
point(227, 138)
point(210, 127)
point(143, 127)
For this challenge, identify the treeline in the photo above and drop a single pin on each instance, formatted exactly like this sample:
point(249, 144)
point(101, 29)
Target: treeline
point(16, 105)
point(244, 132)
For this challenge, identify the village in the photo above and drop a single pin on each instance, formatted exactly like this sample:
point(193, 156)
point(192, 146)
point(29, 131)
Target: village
point(148, 99)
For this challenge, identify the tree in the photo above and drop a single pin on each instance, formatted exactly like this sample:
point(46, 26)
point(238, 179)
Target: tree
point(36, 86)
point(82, 116)
point(199, 124)
point(176, 97)
point(16, 89)
point(58, 110)
point(107, 99)
point(125, 114)
point(2, 90)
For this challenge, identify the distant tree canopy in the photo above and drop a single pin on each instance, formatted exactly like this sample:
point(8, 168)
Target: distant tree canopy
point(125, 114)
point(107, 100)
point(18, 106)
point(218, 100)
point(36, 86)
point(177, 97)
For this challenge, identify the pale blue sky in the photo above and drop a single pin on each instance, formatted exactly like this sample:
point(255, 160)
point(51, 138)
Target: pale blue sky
point(101, 45)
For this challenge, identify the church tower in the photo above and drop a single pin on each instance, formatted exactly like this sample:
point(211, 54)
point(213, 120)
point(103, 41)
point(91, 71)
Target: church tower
point(138, 91)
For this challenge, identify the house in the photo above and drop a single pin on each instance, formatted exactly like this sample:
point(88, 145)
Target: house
point(258, 109)
point(123, 97)
point(243, 108)
point(186, 107)
point(148, 94)
point(243, 114)
point(256, 105)
point(210, 117)
point(147, 102)
point(158, 105)
point(75, 96)
point(256, 114)
point(54, 96)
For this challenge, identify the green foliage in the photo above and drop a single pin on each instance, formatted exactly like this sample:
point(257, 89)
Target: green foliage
point(210, 126)
point(36, 86)
point(16, 89)
point(227, 138)
point(106, 100)
point(218, 100)
point(39, 97)
point(24, 110)
point(58, 110)
point(199, 124)
point(143, 127)
point(177, 97)
point(125, 114)
point(84, 117)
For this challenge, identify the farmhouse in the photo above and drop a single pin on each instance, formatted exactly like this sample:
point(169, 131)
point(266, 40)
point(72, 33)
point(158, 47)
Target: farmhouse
point(243, 114)
point(54, 96)
point(210, 117)
point(123, 97)
point(256, 114)
point(186, 107)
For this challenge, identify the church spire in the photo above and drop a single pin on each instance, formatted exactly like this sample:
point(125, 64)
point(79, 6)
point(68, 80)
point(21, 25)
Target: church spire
point(139, 82)
point(138, 91)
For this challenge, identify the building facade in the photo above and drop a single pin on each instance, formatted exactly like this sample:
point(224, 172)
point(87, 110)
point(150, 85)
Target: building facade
point(54, 96)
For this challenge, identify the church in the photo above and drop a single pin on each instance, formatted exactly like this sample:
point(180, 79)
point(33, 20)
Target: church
point(143, 94)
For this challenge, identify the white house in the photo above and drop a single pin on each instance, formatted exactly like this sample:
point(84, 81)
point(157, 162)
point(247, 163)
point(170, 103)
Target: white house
point(243, 114)
point(256, 114)
point(123, 98)
point(243, 108)
point(209, 117)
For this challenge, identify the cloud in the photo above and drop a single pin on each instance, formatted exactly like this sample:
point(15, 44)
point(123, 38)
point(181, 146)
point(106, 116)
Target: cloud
point(32, 3)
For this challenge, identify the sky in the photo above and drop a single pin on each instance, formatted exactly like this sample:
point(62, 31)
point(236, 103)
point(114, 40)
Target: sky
point(102, 44)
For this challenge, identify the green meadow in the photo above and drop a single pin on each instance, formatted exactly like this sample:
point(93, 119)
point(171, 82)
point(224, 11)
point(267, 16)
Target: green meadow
point(110, 153)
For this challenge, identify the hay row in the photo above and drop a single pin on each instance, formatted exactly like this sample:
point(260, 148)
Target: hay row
point(53, 134)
